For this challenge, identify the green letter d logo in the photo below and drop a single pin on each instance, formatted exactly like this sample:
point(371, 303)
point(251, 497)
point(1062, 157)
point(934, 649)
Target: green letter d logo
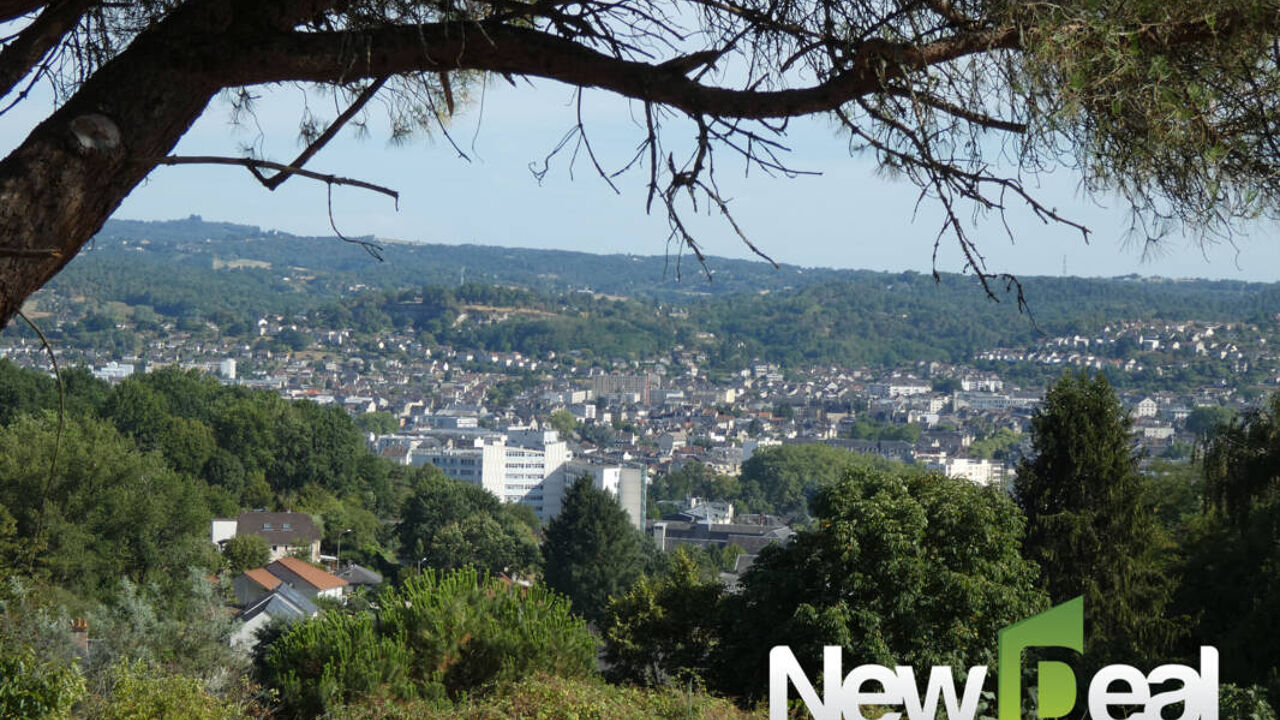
point(1061, 626)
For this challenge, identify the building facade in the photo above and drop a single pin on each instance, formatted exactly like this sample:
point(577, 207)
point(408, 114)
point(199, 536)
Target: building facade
point(521, 465)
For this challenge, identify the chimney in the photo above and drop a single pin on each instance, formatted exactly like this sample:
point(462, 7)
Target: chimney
point(80, 634)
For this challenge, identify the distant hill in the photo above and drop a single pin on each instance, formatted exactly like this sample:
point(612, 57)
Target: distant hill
point(194, 242)
point(626, 306)
point(294, 267)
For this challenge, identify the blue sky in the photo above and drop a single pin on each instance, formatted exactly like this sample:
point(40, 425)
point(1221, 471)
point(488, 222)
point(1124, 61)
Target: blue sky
point(848, 217)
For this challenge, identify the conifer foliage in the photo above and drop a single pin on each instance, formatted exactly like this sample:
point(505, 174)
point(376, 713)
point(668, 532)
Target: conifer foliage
point(592, 552)
point(1087, 526)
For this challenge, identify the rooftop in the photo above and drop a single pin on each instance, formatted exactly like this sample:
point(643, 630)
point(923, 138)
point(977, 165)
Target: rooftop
point(312, 575)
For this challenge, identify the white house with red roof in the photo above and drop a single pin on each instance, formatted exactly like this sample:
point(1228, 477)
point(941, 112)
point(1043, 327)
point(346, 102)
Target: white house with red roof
point(304, 578)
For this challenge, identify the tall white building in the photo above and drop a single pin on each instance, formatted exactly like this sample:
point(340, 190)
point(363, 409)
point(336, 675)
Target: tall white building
point(533, 471)
point(523, 466)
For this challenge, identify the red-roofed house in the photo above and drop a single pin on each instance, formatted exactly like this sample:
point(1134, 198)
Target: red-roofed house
point(308, 580)
point(253, 584)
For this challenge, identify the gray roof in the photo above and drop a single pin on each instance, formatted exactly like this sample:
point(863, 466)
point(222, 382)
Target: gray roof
point(358, 575)
point(283, 603)
point(279, 528)
point(751, 538)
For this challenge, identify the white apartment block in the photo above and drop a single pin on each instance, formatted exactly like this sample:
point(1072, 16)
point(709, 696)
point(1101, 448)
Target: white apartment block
point(899, 388)
point(523, 466)
point(979, 472)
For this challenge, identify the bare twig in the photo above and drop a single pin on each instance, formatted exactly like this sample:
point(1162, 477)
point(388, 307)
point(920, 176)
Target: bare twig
point(973, 116)
point(365, 96)
point(255, 167)
point(34, 42)
point(372, 248)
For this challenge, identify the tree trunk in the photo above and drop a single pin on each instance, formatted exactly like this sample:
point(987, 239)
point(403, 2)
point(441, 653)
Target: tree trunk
point(74, 169)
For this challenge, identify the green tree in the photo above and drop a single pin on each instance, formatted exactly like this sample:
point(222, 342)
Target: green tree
point(1240, 460)
point(1175, 491)
point(563, 422)
point(695, 479)
point(1245, 702)
point(447, 524)
point(245, 552)
point(139, 412)
point(23, 392)
point(34, 688)
point(109, 512)
point(189, 393)
point(869, 429)
point(996, 445)
point(1204, 420)
point(439, 636)
point(664, 628)
point(1087, 525)
point(946, 385)
point(900, 569)
point(592, 551)
point(187, 444)
point(378, 423)
point(1232, 566)
point(781, 479)
point(295, 340)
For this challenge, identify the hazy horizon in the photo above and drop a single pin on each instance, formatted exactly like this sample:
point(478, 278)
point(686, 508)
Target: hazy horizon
point(851, 217)
point(655, 255)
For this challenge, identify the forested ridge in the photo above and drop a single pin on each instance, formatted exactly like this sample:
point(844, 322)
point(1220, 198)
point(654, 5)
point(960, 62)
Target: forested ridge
point(539, 300)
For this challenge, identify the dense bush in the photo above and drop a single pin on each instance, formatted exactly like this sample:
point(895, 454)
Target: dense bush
point(542, 697)
point(34, 688)
point(665, 628)
point(141, 692)
point(901, 569)
point(437, 638)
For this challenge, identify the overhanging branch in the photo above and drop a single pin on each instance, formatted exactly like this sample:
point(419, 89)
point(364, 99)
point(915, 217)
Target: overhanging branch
point(20, 56)
point(14, 9)
point(963, 113)
point(365, 96)
point(492, 47)
point(255, 166)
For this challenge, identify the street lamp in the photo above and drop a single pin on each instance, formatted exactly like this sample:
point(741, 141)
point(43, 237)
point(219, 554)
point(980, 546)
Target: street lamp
point(339, 555)
point(420, 565)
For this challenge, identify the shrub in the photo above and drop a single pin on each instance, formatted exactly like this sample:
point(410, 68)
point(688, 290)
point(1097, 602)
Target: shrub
point(438, 638)
point(545, 696)
point(141, 692)
point(36, 689)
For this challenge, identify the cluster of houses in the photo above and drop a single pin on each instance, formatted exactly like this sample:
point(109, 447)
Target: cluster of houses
point(287, 587)
point(490, 418)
